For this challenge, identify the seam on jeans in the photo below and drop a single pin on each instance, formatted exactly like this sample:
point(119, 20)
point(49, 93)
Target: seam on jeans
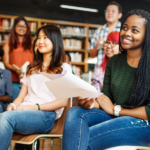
point(81, 123)
point(116, 130)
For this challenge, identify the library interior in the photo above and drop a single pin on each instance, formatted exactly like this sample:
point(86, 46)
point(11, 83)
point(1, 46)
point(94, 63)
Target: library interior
point(84, 36)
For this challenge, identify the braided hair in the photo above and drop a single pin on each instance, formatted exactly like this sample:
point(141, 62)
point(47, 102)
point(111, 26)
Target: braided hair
point(141, 87)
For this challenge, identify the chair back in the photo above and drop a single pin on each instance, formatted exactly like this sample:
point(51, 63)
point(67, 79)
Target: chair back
point(59, 123)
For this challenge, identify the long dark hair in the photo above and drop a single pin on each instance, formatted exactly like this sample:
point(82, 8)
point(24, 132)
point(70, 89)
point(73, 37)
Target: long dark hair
point(141, 88)
point(58, 55)
point(13, 40)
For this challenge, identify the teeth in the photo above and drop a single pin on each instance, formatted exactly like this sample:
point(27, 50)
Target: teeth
point(126, 40)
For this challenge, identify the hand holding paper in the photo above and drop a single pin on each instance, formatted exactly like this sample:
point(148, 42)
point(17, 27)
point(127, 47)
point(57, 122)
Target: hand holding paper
point(68, 85)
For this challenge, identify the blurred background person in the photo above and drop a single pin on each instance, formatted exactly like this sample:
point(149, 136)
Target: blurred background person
point(17, 51)
point(111, 48)
point(5, 86)
point(112, 15)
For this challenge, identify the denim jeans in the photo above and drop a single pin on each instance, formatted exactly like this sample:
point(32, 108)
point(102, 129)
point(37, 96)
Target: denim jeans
point(96, 130)
point(24, 122)
point(16, 89)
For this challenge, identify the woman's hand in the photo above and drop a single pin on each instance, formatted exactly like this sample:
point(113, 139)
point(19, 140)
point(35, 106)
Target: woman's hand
point(27, 107)
point(11, 107)
point(106, 104)
point(86, 103)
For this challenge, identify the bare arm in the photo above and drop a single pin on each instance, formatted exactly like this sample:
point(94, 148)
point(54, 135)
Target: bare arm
point(106, 104)
point(94, 52)
point(135, 112)
point(51, 106)
point(5, 98)
point(6, 58)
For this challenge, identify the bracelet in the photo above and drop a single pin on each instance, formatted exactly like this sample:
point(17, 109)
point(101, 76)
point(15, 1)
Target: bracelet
point(38, 106)
point(98, 104)
point(13, 105)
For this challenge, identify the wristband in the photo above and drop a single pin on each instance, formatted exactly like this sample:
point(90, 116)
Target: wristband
point(38, 106)
point(13, 105)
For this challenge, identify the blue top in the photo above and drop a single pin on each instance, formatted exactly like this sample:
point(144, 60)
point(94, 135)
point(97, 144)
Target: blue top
point(5, 83)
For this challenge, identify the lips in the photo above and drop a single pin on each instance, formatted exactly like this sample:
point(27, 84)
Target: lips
point(127, 41)
point(41, 46)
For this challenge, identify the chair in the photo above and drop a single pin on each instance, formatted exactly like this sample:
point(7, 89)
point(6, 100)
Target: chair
point(56, 132)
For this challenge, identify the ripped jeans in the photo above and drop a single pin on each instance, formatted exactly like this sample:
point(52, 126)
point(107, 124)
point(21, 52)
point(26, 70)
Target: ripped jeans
point(24, 122)
point(96, 130)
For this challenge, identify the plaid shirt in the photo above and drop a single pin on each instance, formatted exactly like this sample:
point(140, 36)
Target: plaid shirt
point(102, 33)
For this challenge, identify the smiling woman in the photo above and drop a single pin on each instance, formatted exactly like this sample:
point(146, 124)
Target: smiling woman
point(17, 51)
point(124, 113)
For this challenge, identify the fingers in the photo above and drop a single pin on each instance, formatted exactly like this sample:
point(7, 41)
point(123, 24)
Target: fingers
point(88, 104)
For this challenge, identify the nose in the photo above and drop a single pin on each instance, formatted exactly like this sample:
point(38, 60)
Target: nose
point(109, 45)
point(128, 33)
point(41, 40)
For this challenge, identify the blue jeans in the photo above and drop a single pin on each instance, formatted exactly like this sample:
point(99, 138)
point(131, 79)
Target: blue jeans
point(96, 130)
point(16, 89)
point(24, 122)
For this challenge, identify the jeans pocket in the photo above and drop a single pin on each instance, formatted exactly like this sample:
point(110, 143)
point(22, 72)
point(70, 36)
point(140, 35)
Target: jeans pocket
point(49, 120)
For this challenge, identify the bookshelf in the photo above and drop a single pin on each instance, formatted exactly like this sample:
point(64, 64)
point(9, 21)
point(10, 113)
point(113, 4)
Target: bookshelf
point(75, 36)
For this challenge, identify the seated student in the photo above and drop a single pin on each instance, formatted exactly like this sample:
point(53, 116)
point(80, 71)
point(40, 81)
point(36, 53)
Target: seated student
point(35, 110)
point(5, 86)
point(124, 117)
point(111, 47)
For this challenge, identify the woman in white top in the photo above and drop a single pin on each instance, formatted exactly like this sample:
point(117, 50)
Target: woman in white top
point(36, 108)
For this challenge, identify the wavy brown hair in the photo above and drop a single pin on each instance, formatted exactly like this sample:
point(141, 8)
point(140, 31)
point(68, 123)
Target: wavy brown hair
point(14, 41)
point(58, 55)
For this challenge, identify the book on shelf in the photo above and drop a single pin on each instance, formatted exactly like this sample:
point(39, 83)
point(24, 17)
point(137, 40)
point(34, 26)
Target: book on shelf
point(6, 23)
point(76, 70)
point(75, 57)
point(91, 32)
point(3, 38)
point(72, 44)
point(33, 26)
point(73, 31)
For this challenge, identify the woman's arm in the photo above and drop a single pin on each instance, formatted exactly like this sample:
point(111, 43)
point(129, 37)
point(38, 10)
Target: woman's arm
point(6, 58)
point(51, 106)
point(5, 98)
point(135, 112)
point(21, 96)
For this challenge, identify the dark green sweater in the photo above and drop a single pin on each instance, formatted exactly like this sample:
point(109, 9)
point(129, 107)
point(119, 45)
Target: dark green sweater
point(119, 81)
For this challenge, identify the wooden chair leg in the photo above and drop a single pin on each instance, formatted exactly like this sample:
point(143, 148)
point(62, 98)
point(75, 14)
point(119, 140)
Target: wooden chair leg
point(60, 143)
point(51, 143)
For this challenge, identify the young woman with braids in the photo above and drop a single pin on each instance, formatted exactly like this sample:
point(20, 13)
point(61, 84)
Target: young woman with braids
point(36, 108)
point(18, 50)
point(121, 115)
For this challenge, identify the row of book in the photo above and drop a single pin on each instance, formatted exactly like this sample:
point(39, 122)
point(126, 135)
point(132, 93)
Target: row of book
point(76, 70)
point(91, 32)
point(6, 23)
point(73, 31)
point(33, 26)
point(3, 38)
point(72, 44)
point(75, 57)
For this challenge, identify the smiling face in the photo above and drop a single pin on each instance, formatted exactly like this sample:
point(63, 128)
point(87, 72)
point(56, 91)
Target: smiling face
point(132, 34)
point(21, 28)
point(44, 44)
point(111, 48)
point(112, 14)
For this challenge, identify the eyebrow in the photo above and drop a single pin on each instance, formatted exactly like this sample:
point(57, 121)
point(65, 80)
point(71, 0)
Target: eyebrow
point(133, 26)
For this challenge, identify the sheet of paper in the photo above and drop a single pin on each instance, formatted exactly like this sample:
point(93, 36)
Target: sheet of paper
point(69, 85)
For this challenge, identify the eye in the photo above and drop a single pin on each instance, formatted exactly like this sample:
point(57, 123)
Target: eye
point(124, 28)
point(135, 30)
point(45, 37)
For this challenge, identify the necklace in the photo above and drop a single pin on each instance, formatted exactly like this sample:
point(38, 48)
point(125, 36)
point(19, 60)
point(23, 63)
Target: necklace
point(44, 68)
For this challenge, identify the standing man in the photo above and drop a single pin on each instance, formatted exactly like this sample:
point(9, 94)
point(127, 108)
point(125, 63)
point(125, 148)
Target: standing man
point(112, 15)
